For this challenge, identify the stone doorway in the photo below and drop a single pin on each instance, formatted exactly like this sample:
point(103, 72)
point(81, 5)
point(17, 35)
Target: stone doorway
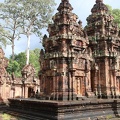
point(80, 87)
point(30, 92)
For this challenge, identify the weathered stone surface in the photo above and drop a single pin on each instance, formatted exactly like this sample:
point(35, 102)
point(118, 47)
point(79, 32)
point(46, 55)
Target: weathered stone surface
point(5, 80)
point(65, 62)
point(78, 66)
point(13, 87)
point(30, 84)
point(92, 109)
point(104, 39)
point(91, 56)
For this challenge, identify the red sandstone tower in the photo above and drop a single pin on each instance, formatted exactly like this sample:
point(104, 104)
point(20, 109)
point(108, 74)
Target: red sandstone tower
point(77, 62)
point(104, 38)
point(65, 62)
point(4, 77)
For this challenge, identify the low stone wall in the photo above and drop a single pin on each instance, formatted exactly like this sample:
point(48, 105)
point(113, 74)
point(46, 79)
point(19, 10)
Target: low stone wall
point(3, 107)
point(93, 109)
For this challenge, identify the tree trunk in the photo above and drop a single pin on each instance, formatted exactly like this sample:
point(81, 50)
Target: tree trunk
point(28, 49)
point(13, 54)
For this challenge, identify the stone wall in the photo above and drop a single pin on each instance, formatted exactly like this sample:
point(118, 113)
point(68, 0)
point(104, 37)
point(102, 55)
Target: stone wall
point(79, 110)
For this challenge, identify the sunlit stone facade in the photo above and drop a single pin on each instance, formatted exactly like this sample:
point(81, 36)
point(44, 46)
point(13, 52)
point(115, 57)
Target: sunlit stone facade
point(79, 62)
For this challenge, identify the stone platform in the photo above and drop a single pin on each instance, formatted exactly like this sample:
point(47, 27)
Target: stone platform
point(89, 109)
point(3, 106)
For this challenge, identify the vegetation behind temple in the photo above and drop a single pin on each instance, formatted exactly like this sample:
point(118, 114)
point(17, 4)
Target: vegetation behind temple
point(23, 17)
point(115, 13)
point(20, 60)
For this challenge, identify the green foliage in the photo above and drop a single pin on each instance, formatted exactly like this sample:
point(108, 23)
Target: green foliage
point(109, 9)
point(13, 67)
point(36, 15)
point(115, 13)
point(10, 18)
point(20, 60)
point(24, 17)
point(3, 40)
point(34, 59)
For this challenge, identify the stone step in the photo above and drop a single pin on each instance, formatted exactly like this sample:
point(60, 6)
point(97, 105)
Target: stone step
point(22, 115)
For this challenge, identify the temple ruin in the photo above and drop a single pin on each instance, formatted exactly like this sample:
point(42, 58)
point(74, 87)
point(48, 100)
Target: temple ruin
point(79, 67)
point(17, 87)
point(79, 62)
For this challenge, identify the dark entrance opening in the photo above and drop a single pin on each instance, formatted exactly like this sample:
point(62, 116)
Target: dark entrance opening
point(30, 92)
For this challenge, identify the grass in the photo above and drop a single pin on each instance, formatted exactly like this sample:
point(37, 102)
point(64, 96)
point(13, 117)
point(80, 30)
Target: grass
point(109, 117)
point(5, 116)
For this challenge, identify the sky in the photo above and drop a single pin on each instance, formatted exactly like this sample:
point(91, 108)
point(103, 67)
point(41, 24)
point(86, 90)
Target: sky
point(82, 8)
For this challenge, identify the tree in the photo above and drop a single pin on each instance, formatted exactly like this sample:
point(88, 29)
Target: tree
point(30, 16)
point(34, 59)
point(109, 9)
point(13, 67)
point(115, 13)
point(3, 41)
point(20, 59)
point(18, 63)
point(10, 18)
point(37, 15)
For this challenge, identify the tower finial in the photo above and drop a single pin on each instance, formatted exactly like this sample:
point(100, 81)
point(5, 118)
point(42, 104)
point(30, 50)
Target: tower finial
point(65, 4)
point(98, 1)
point(64, 0)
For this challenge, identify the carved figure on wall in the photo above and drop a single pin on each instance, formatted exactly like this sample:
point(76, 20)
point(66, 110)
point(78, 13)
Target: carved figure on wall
point(52, 64)
point(81, 63)
point(64, 47)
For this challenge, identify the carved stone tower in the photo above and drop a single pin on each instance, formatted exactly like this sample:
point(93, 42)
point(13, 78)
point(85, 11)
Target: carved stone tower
point(105, 44)
point(65, 63)
point(4, 78)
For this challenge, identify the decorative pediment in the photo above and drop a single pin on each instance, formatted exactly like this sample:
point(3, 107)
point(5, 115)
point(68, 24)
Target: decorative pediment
point(28, 71)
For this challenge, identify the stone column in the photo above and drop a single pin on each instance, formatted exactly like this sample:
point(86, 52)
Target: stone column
point(115, 83)
point(73, 94)
point(26, 91)
point(65, 88)
point(54, 83)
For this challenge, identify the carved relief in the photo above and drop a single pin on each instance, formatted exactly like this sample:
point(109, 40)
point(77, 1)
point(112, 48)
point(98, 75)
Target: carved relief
point(64, 46)
point(81, 64)
point(52, 64)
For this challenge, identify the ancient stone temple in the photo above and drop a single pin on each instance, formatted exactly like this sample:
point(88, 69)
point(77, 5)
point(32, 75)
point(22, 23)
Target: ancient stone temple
point(104, 41)
point(5, 81)
point(78, 66)
point(65, 63)
point(30, 84)
point(17, 87)
point(79, 62)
